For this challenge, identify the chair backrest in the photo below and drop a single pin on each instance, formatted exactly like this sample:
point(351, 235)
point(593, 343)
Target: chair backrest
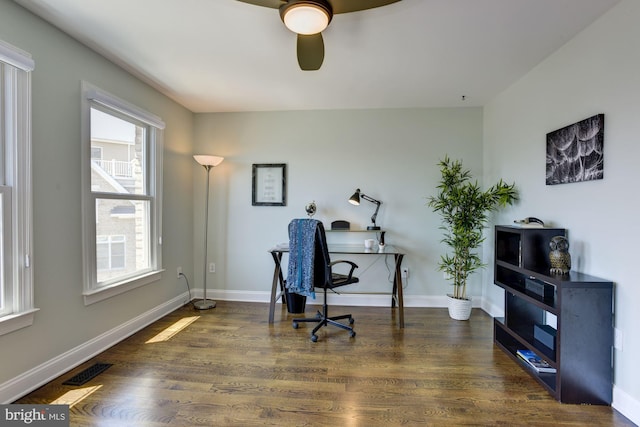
point(322, 259)
point(307, 244)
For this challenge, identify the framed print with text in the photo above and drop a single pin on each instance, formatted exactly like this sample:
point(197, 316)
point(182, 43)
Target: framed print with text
point(269, 184)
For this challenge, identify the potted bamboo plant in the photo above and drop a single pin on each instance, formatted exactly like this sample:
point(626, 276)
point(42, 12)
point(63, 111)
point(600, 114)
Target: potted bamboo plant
point(464, 209)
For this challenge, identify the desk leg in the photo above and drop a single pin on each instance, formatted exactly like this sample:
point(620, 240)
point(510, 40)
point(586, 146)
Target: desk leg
point(277, 279)
point(397, 288)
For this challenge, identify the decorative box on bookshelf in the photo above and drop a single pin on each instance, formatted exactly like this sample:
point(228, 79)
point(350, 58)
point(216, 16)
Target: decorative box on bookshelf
point(565, 321)
point(546, 335)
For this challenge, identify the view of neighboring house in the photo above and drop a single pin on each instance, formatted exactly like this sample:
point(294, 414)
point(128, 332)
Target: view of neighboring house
point(116, 150)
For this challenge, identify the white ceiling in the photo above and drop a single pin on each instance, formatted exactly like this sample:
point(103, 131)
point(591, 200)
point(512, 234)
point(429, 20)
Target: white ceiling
point(225, 55)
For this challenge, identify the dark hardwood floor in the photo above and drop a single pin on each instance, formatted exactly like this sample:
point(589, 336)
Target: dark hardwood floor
point(229, 367)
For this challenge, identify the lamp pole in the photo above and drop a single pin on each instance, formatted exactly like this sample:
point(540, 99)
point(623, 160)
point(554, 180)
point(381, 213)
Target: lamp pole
point(205, 304)
point(207, 162)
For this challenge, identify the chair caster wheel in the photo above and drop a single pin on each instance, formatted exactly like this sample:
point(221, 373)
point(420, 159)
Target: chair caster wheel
point(314, 338)
point(351, 320)
point(352, 334)
point(295, 325)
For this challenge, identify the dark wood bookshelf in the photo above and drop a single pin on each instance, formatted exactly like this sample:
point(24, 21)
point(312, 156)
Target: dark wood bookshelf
point(577, 305)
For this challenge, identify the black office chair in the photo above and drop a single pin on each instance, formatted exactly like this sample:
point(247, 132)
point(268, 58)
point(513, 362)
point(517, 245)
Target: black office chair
point(309, 260)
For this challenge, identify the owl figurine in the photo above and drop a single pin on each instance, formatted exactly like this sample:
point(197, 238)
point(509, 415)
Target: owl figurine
point(559, 257)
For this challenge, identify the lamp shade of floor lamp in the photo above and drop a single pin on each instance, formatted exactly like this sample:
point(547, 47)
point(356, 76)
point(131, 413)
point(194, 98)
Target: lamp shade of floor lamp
point(207, 162)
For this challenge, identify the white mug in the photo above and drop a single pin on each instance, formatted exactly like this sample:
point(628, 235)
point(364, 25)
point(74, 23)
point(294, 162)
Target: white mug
point(368, 243)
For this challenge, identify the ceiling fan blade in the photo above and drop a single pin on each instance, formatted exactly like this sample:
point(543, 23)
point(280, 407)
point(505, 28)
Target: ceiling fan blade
point(338, 6)
point(310, 51)
point(345, 6)
point(274, 4)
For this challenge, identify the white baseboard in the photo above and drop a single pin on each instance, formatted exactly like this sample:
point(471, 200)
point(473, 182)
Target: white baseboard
point(626, 405)
point(348, 299)
point(492, 309)
point(42, 374)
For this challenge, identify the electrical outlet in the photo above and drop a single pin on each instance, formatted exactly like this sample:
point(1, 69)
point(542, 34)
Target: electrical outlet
point(617, 339)
point(179, 271)
point(212, 267)
point(405, 273)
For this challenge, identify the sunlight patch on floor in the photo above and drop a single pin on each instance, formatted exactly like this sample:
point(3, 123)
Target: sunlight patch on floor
point(172, 330)
point(75, 396)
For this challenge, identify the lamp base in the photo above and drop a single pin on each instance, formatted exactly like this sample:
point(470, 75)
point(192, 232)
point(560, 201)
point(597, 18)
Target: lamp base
point(204, 304)
point(373, 227)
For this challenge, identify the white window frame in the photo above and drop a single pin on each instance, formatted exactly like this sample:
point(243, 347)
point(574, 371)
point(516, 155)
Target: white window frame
point(94, 292)
point(15, 142)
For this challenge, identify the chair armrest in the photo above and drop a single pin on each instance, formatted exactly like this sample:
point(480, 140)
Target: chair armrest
point(343, 261)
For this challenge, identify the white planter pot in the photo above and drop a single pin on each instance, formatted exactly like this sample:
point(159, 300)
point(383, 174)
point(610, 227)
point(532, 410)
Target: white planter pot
point(459, 309)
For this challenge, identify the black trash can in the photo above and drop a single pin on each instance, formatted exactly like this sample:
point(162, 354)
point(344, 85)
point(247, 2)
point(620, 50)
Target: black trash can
point(295, 302)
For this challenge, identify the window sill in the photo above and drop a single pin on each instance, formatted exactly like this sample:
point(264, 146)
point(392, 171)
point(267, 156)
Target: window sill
point(13, 322)
point(97, 295)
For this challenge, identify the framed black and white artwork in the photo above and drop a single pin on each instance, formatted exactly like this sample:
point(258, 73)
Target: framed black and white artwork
point(269, 184)
point(575, 153)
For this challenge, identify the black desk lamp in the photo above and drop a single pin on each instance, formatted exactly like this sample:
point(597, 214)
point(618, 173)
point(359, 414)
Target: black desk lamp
point(355, 200)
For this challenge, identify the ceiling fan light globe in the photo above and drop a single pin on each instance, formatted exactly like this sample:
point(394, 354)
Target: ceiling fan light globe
point(306, 18)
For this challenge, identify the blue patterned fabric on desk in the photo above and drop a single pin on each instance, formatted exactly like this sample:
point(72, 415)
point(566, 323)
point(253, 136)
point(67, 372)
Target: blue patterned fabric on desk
point(302, 242)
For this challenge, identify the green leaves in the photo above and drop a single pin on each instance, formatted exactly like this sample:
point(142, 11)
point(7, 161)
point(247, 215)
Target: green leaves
point(464, 208)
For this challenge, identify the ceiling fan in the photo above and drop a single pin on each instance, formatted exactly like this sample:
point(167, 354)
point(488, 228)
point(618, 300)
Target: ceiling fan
point(308, 18)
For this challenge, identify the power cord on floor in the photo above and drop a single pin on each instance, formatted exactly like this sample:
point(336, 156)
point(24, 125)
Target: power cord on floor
point(190, 302)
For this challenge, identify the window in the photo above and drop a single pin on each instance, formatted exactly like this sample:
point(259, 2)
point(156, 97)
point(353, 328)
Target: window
point(16, 275)
point(110, 253)
point(96, 153)
point(121, 189)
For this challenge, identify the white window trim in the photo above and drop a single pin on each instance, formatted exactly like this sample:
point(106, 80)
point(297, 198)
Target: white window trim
point(17, 84)
point(93, 294)
point(16, 57)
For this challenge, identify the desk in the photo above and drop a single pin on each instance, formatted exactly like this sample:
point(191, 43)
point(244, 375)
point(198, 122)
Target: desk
point(396, 293)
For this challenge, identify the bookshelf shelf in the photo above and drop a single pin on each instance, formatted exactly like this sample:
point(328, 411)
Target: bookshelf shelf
point(577, 305)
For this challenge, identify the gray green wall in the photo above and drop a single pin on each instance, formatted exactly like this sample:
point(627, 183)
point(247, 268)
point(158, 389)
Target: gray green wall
point(390, 154)
point(64, 322)
point(596, 72)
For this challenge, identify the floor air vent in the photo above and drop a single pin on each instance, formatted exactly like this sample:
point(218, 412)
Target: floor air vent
point(88, 374)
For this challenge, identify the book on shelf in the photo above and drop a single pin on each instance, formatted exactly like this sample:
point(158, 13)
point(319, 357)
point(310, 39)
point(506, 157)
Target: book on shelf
point(537, 363)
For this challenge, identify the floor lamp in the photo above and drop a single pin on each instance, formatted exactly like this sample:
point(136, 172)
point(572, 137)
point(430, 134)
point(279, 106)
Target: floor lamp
point(207, 162)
